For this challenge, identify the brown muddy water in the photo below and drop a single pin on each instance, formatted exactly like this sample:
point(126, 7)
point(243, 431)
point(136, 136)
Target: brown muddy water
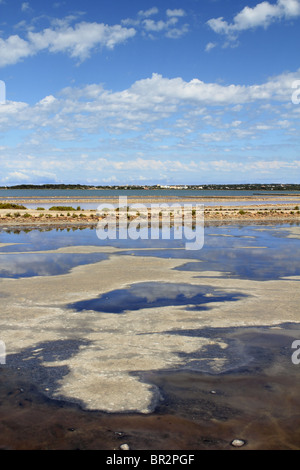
point(258, 403)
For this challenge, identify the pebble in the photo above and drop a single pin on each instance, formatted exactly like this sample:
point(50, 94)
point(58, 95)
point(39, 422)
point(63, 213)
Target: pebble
point(238, 443)
point(124, 447)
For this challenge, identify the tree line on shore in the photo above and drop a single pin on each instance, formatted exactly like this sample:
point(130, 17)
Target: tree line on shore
point(232, 187)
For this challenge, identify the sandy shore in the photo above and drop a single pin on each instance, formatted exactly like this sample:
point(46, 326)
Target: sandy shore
point(80, 380)
point(11, 216)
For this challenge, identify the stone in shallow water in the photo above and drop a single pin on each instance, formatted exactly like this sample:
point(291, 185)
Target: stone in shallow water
point(124, 447)
point(238, 443)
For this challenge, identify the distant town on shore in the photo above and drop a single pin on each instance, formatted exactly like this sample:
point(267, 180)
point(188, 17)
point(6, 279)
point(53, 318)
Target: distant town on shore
point(231, 187)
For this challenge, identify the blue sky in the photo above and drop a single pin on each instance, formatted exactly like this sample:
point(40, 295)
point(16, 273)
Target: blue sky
point(142, 92)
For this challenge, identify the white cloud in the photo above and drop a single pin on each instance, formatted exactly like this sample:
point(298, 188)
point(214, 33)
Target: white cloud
point(13, 49)
point(156, 126)
point(209, 46)
point(168, 26)
point(78, 112)
point(175, 33)
point(142, 164)
point(151, 25)
point(261, 15)
point(25, 6)
point(197, 91)
point(150, 12)
point(29, 176)
point(176, 12)
point(110, 171)
point(78, 41)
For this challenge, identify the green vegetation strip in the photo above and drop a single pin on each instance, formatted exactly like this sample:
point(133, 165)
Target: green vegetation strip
point(9, 205)
point(62, 208)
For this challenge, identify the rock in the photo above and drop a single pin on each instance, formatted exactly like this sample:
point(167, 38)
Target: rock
point(238, 443)
point(124, 447)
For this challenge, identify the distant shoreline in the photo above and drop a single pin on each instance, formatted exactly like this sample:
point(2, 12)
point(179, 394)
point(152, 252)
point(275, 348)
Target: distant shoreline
point(144, 199)
point(155, 187)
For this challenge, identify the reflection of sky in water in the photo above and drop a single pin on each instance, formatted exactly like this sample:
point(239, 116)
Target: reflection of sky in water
point(40, 264)
point(46, 239)
point(154, 294)
point(242, 252)
point(258, 252)
point(255, 264)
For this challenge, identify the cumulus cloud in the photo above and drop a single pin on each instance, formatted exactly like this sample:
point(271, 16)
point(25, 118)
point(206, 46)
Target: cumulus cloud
point(14, 49)
point(151, 25)
point(169, 26)
point(78, 41)
point(196, 91)
point(156, 126)
point(261, 15)
point(92, 108)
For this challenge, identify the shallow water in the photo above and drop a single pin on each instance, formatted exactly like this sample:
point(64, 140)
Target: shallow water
point(154, 295)
point(107, 193)
point(41, 264)
point(252, 394)
point(198, 410)
point(243, 251)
